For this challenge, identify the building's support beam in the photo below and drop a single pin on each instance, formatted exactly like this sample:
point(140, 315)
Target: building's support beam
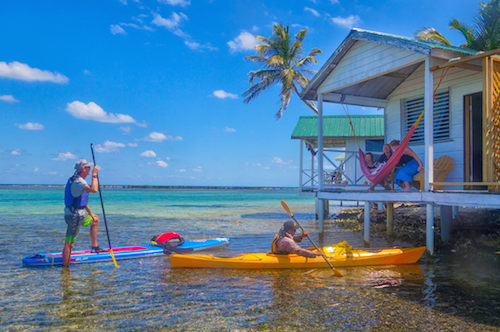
point(390, 219)
point(320, 213)
point(429, 125)
point(429, 229)
point(446, 217)
point(366, 225)
point(320, 142)
point(301, 163)
point(355, 100)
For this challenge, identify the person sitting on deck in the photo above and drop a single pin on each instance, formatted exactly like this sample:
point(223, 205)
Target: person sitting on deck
point(369, 161)
point(409, 165)
point(285, 241)
point(384, 157)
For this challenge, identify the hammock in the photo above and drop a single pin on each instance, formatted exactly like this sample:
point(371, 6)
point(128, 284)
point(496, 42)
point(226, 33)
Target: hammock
point(384, 171)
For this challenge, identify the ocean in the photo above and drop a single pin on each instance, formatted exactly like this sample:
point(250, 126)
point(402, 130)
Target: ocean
point(441, 293)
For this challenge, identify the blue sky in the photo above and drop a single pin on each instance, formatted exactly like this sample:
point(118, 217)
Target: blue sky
point(156, 85)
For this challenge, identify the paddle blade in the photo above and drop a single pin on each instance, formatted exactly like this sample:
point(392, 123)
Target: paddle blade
point(113, 256)
point(287, 209)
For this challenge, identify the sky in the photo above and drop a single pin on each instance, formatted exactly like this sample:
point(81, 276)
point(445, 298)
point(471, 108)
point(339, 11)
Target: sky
point(156, 85)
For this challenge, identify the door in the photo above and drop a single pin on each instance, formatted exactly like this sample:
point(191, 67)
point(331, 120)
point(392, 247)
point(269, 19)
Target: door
point(473, 139)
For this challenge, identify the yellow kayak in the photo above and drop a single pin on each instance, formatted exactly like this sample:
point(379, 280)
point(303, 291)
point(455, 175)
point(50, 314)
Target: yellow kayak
point(353, 257)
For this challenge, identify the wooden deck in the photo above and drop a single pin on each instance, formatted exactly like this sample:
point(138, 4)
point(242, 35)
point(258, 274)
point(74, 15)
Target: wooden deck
point(481, 199)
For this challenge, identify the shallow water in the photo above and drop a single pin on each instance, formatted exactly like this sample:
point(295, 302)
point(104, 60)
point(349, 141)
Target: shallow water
point(446, 293)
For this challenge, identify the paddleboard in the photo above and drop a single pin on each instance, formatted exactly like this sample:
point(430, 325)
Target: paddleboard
point(125, 252)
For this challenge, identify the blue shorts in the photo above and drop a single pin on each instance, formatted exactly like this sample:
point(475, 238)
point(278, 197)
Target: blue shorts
point(406, 172)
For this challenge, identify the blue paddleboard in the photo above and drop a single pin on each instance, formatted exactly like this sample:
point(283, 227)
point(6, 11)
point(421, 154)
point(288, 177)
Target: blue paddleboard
point(126, 252)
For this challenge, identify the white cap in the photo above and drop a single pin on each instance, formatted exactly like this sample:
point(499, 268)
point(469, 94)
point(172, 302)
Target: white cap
point(81, 164)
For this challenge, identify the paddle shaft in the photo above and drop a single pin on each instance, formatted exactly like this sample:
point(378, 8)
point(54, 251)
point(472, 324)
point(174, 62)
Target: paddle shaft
point(102, 206)
point(337, 272)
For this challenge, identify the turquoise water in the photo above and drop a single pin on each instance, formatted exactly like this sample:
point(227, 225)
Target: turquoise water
point(146, 294)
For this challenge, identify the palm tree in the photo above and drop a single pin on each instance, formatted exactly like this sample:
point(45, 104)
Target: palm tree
point(484, 35)
point(282, 64)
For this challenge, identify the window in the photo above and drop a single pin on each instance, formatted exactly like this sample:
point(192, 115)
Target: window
point(374, 145)
point(412, 107)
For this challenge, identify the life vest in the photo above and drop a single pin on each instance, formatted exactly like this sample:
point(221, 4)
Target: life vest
point(276, 238)
point(75, 202)
point(168, 241)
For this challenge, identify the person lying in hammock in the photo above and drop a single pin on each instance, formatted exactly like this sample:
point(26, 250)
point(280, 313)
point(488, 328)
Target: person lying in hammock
point(379, 164)
point(409, 165)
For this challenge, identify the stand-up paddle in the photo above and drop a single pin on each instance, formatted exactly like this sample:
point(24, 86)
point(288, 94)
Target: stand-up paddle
point(287, 209)
point(102, 205)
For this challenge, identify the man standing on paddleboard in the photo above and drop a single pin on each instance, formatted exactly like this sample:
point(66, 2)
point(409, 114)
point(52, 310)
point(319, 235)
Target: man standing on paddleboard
point(76, 196)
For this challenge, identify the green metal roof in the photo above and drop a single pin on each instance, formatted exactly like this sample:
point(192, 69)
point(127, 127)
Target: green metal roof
point(338, 126)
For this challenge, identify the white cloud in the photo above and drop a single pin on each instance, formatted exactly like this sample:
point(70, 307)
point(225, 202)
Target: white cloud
point(161, 163)
point(23, 72)
point(116, 29)
point(182, 3)
point(62, 156)
point(16, 152)
point(94, 112)
point(221, 94)
point(30, 126)
point(312, 11)
point(243, 42)
point(182, 170)
point(35, 170)
point(156, 136)
point(172, 24)
point(109, 146)
point(197, 46)
point(132, 145)
point(148, 154)
point(197, 169)
point(126, 130)
point(334, 2)
point(87, 72)
point(8, 99)
point(279, 161)
point(347, 22)
point(229, 129)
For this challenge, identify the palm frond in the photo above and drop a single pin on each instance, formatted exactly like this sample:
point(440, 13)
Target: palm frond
point(263, 74)
point(282, 64)
point(432, 35)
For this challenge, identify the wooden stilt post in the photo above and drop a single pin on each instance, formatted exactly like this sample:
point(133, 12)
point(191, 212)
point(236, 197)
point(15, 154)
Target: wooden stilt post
point(366, 226)
point(446, 216)
point(390, 219)
point(429, 229)
point(321, 213)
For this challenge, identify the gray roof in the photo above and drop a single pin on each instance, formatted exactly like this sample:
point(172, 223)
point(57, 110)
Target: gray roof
point(385, 82)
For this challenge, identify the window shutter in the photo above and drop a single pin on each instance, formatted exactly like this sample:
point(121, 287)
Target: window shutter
point(412, 107)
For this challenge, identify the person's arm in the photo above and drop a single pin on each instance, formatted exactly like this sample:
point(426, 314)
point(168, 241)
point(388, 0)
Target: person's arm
point(299, 238)
point(94, 216)
point(412, 153)
point(294, 248)
point(93, 188)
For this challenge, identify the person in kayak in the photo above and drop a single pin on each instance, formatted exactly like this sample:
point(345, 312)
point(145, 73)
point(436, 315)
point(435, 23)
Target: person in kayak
point(285, 241)
point(76, 196)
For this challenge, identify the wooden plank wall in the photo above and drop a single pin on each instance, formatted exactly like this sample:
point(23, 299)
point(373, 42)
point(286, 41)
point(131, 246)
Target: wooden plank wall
point(367, 59)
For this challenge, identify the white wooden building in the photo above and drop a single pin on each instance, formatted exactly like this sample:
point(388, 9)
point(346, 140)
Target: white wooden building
point(400, 74)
